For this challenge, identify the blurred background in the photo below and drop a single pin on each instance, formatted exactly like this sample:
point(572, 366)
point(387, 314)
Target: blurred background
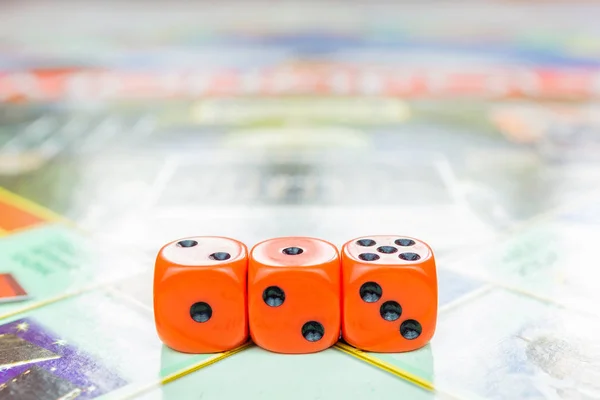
point(471, 125)
point(148, 121)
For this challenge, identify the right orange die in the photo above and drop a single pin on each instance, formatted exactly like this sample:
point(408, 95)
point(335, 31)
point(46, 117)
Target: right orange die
point(390, 296)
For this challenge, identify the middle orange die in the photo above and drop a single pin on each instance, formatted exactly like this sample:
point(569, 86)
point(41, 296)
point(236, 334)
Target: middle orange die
point(294, 295)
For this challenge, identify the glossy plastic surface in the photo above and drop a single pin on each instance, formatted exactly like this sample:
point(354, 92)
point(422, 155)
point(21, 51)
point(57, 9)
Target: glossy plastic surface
point(294, 294)
point(390, 293)
point(200, 294)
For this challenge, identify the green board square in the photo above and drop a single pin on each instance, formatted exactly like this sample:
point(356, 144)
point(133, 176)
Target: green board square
point(55, 260)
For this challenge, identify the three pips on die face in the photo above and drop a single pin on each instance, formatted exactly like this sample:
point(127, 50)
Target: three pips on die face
point(295, 294)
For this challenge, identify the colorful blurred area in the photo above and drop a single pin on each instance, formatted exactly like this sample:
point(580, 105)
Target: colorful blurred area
point(472, 125)
point(97, 95)
point(498, 101)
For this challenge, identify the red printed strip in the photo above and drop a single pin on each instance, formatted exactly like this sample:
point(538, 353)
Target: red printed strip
point(14, 218)
point(17, 213)
point(10, 288)
point(323, 80)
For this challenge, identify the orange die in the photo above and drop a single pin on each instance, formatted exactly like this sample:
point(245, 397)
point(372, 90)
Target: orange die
point(200, 294)
point(294, 294)
point(389, 293)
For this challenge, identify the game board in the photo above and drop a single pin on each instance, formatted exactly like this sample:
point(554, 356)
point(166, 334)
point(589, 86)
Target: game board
point(332, 121)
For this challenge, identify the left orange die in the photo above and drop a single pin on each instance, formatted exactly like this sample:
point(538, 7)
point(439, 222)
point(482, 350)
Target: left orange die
point(200, 294)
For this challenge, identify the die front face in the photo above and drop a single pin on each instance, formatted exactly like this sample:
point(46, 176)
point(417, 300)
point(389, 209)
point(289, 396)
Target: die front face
point(200, 294)
point(389, 293)
point(294, 294)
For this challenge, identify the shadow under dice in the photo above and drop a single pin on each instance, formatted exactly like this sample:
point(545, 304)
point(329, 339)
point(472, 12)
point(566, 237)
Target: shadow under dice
point(200, 295)
point(389, 286)
point(294, 295)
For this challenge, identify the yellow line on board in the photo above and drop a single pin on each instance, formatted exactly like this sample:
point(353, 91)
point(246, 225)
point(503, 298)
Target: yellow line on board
point(55, 299)
point(33, 306)
point(28, 205)
point(3, 232)
point(384, 366)
point(202, 364)
point(216, 358)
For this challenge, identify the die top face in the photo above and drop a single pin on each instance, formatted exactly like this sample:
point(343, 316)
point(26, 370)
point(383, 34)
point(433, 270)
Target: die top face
point(294, 252)
point(203, 251)
point(388, 250)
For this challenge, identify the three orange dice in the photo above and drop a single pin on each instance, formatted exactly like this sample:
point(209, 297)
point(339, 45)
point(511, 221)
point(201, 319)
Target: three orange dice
point(200, 292)
point(389, 293)
point(294, 294)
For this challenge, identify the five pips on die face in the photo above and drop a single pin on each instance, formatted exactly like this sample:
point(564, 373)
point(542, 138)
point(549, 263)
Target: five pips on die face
point(273, 296)
point(371, 292)
point(372, 256)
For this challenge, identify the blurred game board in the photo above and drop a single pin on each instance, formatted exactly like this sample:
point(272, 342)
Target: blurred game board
point(506, 188)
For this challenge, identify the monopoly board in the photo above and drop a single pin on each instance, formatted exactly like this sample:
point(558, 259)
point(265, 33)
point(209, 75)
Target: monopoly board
point(128, 126)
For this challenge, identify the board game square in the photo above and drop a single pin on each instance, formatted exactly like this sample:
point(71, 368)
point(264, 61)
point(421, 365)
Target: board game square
point(15, 351)
point(453, 286)
point(25, 341)
point(38, 384)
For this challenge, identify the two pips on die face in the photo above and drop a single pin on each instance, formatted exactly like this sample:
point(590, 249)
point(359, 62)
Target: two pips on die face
point(295, 294)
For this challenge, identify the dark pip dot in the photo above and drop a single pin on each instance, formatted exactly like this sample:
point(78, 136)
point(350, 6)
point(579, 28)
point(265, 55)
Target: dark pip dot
point(390, 310)
point(370, 292)
point(410, 329)
point(292, 251)
point(368, 256)
point(187, 243)
point(274, 296)
point(366, 242)
point(313, 331)
point(387, 249)
point(409, 256)
point(405, 242)
point(220, 256)
point(200, 312)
